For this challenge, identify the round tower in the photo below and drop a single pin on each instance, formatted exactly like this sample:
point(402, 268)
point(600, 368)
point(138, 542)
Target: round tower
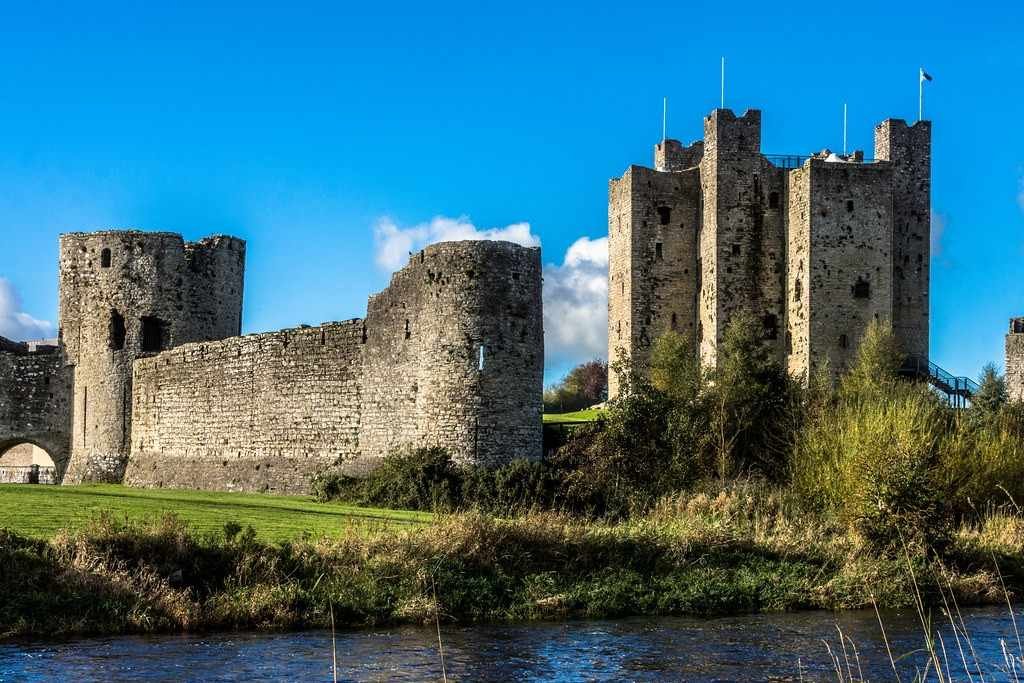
point(128, 294)
point(455, 355)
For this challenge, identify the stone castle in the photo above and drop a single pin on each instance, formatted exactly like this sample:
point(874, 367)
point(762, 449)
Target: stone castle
point(815, 247)
point(151, 384)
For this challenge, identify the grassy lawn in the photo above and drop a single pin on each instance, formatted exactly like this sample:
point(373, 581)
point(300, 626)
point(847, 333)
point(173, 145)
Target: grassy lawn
point(572, 418)
point(39, 511)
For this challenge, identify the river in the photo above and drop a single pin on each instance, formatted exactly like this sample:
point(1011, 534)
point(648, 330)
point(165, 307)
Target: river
point(785, 647)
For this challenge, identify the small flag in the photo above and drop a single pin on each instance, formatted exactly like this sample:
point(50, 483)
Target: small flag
point(925, 76)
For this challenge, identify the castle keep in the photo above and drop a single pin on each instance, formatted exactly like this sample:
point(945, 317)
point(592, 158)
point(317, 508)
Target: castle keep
point(815, 247)
point(151, 384)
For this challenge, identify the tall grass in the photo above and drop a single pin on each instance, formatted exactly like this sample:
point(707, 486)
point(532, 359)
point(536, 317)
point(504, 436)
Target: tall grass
point(731, 549)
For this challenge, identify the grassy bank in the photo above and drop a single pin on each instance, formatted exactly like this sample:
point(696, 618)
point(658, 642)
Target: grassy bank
point(737, 550)
point(577, 417)
point(41, 511)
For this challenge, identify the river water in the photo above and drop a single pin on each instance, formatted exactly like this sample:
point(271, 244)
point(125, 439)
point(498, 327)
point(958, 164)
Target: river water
point(784, 647)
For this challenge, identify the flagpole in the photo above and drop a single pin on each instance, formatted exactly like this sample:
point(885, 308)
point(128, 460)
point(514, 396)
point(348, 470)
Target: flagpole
point(723, 82)
point(664, 118)
point(844, 128)
point(920, 94)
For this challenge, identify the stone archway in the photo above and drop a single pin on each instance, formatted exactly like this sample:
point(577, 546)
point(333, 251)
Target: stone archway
point(30, 461)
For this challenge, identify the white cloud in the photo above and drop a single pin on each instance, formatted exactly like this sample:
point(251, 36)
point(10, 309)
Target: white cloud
point(575, 292)
point(16, 324)
point(576, 304)
point(394, 244)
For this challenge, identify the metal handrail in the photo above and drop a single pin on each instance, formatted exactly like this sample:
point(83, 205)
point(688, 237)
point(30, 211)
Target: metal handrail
point(791, 161)
point(947, 382)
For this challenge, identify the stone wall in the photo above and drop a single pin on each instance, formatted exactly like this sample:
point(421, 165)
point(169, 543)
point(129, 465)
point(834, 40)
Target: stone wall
point(848, 267)
point(653, 224)
point(450, 354)
point(1015, 359)
point(35, 393)
point(125, 295)
point(256, 413)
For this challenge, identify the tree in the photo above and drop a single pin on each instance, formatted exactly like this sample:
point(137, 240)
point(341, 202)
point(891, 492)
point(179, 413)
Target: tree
point(751, 399)
point(582, 387)
point(992, 393)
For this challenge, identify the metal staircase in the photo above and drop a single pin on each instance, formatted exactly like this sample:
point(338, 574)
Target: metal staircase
point(957, 389)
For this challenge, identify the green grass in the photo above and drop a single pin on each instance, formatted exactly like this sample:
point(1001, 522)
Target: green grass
point(572, 418)
point(40, 511)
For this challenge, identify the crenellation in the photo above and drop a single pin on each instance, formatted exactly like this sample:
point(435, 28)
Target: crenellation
point(815, 252)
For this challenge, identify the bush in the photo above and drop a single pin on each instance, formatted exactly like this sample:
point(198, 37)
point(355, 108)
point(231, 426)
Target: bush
point(428, 479)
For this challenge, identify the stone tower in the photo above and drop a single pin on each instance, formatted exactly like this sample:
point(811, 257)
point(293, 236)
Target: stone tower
point(1015, 359)
point(909, 151)
point(742, 240)
point(454, 355)
point(126, 295)
point(815, 247)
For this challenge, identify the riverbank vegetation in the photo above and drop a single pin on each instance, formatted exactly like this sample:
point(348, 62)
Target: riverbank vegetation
point(697, 492)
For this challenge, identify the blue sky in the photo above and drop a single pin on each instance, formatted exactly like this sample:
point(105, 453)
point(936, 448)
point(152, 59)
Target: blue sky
point(304, 128)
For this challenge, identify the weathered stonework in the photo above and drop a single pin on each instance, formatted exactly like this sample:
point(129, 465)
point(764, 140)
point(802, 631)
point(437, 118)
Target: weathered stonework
point(35, 390)
point(152, 386)
point(125, 295)
point(1015, 359)
point(265, 412)
point(815, 247)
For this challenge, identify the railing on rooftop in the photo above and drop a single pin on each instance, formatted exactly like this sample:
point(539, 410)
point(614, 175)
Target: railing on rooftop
point(786, 160)
point(957, 389)
point(790, 161)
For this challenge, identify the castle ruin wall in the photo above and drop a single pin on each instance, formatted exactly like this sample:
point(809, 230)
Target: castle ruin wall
point(35, 390)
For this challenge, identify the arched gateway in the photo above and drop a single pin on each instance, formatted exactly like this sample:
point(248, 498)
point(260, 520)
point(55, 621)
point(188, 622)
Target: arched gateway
point(34, 410)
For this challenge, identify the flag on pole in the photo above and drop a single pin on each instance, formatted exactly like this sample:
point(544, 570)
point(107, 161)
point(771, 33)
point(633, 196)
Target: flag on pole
point(925, 76)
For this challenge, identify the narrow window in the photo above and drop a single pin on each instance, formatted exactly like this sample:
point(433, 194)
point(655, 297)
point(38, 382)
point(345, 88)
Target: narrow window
point(618, 329)
point(664, 215)
point(861, 289)
point(673, 321)
point(481, 358)
point(849, 206)
point(735, 250)
point(798, 290)
point(771, 326)
point(105, 258)
point(657, 250)
point(408, 333)
point(843, 343)
point(117, 331)
point(773, 200)
point(789, 342)
point(152, 334)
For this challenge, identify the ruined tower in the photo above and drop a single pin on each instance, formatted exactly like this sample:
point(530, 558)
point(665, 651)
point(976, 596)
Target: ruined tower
point(454, 355)
point(1015, 359)
point(815, 247)
point(125, 295)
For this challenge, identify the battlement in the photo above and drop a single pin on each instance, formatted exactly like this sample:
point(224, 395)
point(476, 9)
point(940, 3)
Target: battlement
point(672, 156)
point(725, 132)
point(815, 245)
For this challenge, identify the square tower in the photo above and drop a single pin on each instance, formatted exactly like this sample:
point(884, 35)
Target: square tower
point(909, 150)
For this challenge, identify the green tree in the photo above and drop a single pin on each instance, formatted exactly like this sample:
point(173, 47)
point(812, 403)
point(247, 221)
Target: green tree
point(751, 402)
point(992, 393)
